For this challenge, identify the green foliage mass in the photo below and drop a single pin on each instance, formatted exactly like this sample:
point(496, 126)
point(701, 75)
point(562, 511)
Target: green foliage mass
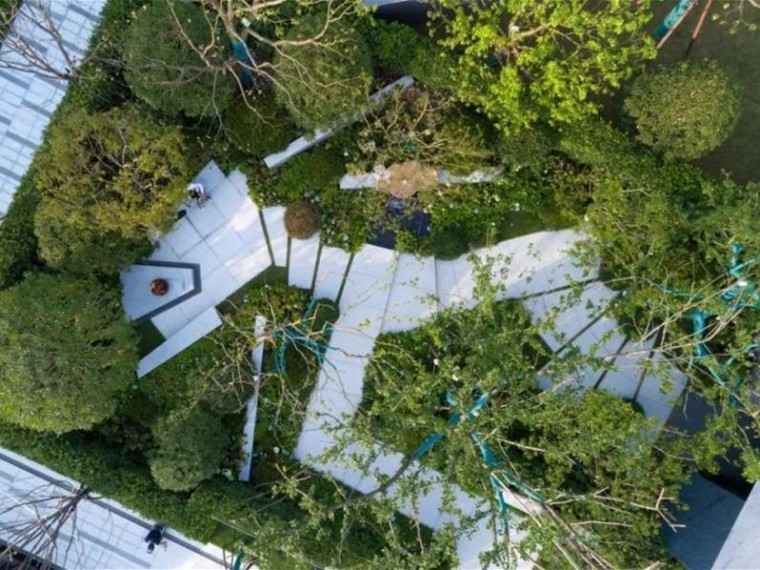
point(401, 50)
point(519, 61)
point(413, 125)
point(190, 448)
point(107, 180)
point(323, 81)
point(600, 454)
point(685, 111)
point(18, 244)
point(165, 71)
point(257, 125)
point(68, 353)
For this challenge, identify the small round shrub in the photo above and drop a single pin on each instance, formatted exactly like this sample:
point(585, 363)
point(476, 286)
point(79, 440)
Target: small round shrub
point(686, 110)
point(302, 220)
point(191, 445)
point(258, 126)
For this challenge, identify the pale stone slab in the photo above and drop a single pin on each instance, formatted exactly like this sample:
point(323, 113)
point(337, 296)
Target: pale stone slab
point(220, 285)
point(192, 332)
point(139, 301)
point(656, 399)
point(333, 263)
point(566, 313)
point(225, 243)
point(274, 219)
point(203, 256)
point(413, 294)
point(210, 177)
point(257, 357)
point(304, 254)
point(182, 237)
point(207, 219)
point(247, 265)
point(623, 380)
point(171, 321)
point(741, 548)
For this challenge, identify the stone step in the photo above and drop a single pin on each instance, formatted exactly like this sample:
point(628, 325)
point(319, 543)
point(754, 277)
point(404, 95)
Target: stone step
point(303, 261)
point(277, 235)
point(195, 330)
point(413, 296)
point(331, 273)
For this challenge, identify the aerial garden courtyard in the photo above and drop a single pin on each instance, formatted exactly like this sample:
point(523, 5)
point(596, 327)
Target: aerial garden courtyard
point(330, 285)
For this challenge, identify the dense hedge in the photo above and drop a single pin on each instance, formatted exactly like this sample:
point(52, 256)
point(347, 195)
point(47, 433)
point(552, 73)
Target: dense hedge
point(18, 244)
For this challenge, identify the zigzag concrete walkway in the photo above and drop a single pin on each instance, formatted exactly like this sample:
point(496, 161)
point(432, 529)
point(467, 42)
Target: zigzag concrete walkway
point(378, 290)
point(27, 99)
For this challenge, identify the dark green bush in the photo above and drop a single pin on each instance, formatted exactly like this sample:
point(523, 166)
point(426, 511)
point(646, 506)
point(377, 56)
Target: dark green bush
point(302, 220)
point(190, 448)
point(18, 244)
point(304, 176)
point(686, 110)
point(158, 56)
point(258, 126)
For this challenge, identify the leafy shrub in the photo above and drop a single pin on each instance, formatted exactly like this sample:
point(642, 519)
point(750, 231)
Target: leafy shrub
point(327, 80)
point(68, 353)
point(18, 244)
point(305, 176)
point(130, 176)
point(302, 220)
point(528, 148)
point(415, 125)
point(402, 50)
point(158, 56)
point(190, 448)
point(259, 126)
point(686, 110)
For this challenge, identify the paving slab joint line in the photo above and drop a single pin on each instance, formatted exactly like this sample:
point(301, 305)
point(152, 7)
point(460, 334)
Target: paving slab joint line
point(344, 279)
point(591, 323)
point(655, 346)
point(313, 285)
point(618, 354)
point(266, 233)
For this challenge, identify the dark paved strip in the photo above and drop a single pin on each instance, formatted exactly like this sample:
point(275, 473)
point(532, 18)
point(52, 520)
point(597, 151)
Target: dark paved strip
point(21, 140)
point(33, 107)
point(77, 10)
point(71, 47)
point(5, 120)
point(13, 79)
point(10, 174)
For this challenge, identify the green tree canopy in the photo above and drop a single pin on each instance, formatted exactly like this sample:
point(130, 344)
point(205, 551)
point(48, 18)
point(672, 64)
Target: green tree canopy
point(163, 60)
point(321, 81)
point(685, 110)
point(106, 181)
point(593, 465)
point(67, 353)
point(520, 60)
point(191, 444)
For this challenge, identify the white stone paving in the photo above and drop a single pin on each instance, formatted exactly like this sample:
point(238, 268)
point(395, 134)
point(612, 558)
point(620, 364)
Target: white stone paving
point(257, 357)
point(274, 219)
point(196, 329)
point(302, 265)
point(28, 101)
point(413, 296)
point(333, 263)
point(102, 534)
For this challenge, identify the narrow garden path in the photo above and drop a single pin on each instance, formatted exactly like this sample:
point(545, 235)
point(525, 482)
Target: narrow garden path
point(28, 99)
point(231, 240)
